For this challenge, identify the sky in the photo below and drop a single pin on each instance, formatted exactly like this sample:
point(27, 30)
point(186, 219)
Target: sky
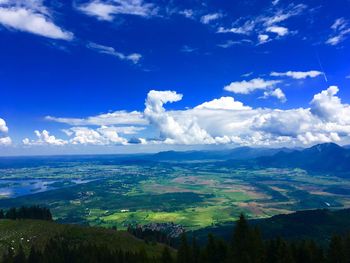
point(125, 76)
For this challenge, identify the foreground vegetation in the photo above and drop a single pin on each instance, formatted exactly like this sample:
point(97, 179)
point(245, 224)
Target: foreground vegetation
point(246, 246)
point(37, 236)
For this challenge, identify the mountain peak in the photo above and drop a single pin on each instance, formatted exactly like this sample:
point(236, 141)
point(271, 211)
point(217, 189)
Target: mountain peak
point(326, 147)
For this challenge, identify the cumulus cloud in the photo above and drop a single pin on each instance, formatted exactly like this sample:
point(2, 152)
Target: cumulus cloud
point(4, 139)
point(134, 57)
point(297, 74)
point(3, 127)
point(44, 138)
point(173, 130)
point(206, 19)
point(328, 107)
point(222, 121)
point(225, 120)
point(102, 136)
point(341, 30)
point(246, 87)
point(224, 103)
point(108, 10)
point(31, 17)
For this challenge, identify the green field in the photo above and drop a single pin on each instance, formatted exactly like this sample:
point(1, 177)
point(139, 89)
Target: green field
point(192, 194)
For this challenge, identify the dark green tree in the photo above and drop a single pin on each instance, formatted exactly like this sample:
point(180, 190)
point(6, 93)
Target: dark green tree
point(8, 256)
point(34, 256)
point(166, 256)
point(184, 251)
point(336, 251)
point(20, 257)
point(2, 215)
point(246, 245)
point(195, 250)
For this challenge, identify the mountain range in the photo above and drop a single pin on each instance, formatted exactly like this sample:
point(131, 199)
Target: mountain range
point(327, 158)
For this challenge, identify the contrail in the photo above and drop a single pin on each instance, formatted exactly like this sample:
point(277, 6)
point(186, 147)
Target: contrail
point(319, 62)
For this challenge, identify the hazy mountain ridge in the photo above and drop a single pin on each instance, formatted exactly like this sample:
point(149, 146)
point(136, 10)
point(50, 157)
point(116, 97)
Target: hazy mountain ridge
point(328, 158)
point(324, 158)
point(239, 153)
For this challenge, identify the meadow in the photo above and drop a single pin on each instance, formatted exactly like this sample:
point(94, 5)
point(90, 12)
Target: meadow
point(117, 193)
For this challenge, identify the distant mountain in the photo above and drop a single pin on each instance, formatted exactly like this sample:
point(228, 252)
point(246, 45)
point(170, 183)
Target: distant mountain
point(239, 153)
point(325, 158)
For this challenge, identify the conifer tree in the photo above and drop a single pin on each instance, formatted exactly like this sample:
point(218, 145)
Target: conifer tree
point(195, 250)
point(336, 251)
point(166, 256)
point(2, 215)
point(20, 257)
point(184, 251)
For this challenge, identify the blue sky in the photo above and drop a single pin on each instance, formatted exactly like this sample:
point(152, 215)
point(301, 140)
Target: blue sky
point(131, 75)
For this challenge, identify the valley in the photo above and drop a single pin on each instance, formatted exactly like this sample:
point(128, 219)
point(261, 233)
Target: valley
point(114, 191)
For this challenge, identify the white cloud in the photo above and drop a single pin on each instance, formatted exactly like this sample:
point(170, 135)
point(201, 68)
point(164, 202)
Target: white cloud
point(31, 17)
point(268, 22)
point(189, 13)
point(339, 24)
point(101, 136)
point(279, 30)
point(283, 14)
point(134, 57)
point(244, 29)
point(277, 93)
point(4, 139)
point(297, 74)
point(263, 38)
point(221, 121)
point(113, 118)
point(108, 10)
point(283, 123)
point(246, 87)
point(3, 126)
point(230, 43)
point(311, 138)
point(173, 131)
point(226, 121)
point(328, 107)
point(44, 138)
point(187, 49)
point(340, 29)
point(206, 19)
point(224, 103)
point(248, 74)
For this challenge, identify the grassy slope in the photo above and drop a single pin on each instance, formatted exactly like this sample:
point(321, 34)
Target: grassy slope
point(28, 232)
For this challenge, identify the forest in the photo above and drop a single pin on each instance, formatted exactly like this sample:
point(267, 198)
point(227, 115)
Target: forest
point(246, 246)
